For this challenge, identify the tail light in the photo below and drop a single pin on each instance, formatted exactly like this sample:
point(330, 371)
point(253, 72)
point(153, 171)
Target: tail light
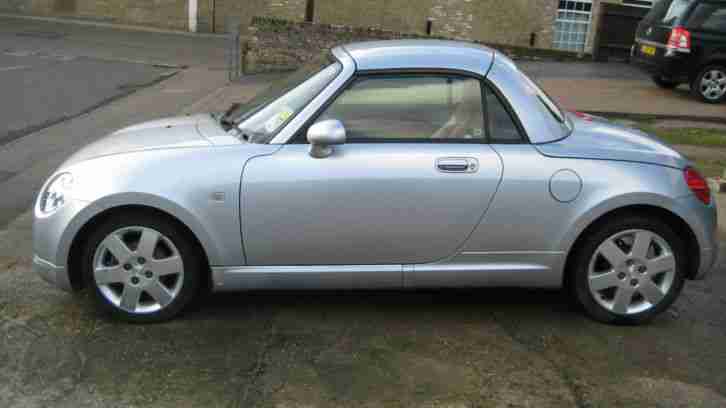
point(697, 184)
point(680, 40)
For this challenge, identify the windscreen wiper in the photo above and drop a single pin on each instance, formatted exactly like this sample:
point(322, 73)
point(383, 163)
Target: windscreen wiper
point(225, 121)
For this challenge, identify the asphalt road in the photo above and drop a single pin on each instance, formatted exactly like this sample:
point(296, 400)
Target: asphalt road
point(40, 89)
point(581, 70)
point(51, 73)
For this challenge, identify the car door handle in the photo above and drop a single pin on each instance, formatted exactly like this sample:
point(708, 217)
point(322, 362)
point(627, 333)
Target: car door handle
point(457, 165)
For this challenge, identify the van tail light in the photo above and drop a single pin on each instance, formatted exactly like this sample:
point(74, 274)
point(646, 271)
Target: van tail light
point(697, 184)
point(680, 40)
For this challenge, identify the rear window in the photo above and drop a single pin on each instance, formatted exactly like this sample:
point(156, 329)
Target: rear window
point(709, 16)
point(667, 12)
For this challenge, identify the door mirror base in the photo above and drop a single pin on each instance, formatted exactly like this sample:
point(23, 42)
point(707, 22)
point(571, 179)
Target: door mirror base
point(320, 151)
point(322, 136)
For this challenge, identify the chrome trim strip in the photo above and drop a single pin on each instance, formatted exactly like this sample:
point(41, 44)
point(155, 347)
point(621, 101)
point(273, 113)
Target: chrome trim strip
point(300, 119)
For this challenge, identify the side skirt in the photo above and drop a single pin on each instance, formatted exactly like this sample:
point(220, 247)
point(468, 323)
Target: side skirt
point(480, 269)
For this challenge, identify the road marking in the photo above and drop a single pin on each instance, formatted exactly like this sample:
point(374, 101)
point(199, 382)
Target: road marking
point(14, 68)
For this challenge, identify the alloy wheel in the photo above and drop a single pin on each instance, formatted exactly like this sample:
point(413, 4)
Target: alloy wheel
point(138, 270)
point(631, 272)
point(713, 84)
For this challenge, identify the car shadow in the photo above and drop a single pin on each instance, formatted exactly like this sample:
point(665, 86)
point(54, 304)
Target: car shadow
point(221, 306)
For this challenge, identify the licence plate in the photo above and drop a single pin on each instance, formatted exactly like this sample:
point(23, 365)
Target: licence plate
point(648, 50)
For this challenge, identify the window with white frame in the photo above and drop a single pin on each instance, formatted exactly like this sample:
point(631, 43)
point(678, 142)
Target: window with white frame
point(572, 25)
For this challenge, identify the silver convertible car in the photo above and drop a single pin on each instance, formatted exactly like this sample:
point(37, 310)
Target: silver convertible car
point(380, 165)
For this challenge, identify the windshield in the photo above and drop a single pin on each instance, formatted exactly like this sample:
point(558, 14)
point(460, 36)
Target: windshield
point(265, 115)
point(549, 107)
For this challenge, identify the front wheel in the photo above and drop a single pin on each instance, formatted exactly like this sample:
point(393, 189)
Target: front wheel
point(710, 84)
point(142, 268)
point(629, 270)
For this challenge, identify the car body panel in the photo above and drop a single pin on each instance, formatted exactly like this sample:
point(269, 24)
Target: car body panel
point(365, 204)
point(376, 215)
point(198, 186)
point(416, 54)
point(599, 139)
point(508, 79)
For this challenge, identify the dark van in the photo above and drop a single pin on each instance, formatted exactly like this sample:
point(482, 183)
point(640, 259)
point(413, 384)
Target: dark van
point(684, 41)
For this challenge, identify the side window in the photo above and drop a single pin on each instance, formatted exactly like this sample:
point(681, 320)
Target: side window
point(410, 108)
point(502, 128)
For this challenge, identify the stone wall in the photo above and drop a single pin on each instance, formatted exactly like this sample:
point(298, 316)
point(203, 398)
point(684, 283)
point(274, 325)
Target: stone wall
point(170, 14)
point(242, 11)
point(275, 45)
point(504, 22)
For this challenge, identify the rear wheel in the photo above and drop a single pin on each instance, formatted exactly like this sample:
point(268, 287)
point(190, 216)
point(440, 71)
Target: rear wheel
point(142, 268)
point(629, 270)
point(710, 84)
point(664, 82)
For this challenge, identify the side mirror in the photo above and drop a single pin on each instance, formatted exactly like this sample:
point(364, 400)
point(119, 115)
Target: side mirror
point(322, 136)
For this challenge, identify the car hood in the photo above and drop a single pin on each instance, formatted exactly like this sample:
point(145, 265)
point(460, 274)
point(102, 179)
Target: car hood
point(168, 133)
point(600, 139)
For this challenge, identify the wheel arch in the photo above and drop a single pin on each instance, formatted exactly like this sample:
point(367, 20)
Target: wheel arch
point(716, 59)
point(679, 225)
point(80, 238)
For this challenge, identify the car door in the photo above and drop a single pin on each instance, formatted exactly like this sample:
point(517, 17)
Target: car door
point(410, 184)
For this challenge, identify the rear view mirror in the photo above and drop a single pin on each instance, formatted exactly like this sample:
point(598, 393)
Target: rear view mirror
point(322, 136)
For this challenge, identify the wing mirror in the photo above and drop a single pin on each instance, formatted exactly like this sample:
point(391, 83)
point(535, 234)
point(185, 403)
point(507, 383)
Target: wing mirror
point(322, 136)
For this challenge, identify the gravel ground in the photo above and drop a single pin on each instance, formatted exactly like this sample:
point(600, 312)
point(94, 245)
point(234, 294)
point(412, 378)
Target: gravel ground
point(492, 347)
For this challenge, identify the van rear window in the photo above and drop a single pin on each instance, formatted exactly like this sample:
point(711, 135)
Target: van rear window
point(709, 16)
point(666, 12)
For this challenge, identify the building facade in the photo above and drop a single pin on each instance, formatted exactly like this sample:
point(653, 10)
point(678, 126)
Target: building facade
point(560, 24)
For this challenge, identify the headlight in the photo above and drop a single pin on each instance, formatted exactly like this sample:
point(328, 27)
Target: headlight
point(55, 194)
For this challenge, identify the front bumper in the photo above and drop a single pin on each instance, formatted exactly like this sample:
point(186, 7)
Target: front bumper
point(53, 274)
point(52, 238)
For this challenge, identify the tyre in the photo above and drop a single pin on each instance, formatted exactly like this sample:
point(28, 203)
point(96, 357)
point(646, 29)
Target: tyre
point(628, 270)
point(710, 84)
point(142, 268)
point(663, 82)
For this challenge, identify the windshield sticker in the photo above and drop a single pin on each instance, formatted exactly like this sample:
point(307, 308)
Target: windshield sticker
point(278, 120)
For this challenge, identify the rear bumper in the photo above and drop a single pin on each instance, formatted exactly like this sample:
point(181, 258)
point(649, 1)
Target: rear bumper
point(674, 66)
point(703, 221)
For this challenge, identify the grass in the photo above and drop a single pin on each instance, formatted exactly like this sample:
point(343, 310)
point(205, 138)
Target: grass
point(688, 136)
point(707, 161)
point(708, 165)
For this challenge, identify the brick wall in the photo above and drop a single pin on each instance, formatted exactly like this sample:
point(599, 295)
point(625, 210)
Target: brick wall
point(275, 45)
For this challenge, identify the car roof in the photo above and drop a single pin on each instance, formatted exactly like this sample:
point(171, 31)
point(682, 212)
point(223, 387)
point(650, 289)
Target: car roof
point(421, 54)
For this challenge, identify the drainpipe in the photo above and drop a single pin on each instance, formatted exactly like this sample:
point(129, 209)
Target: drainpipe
point(193, 13)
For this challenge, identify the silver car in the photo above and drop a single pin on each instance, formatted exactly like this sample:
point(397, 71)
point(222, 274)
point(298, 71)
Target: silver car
point(384, 165)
